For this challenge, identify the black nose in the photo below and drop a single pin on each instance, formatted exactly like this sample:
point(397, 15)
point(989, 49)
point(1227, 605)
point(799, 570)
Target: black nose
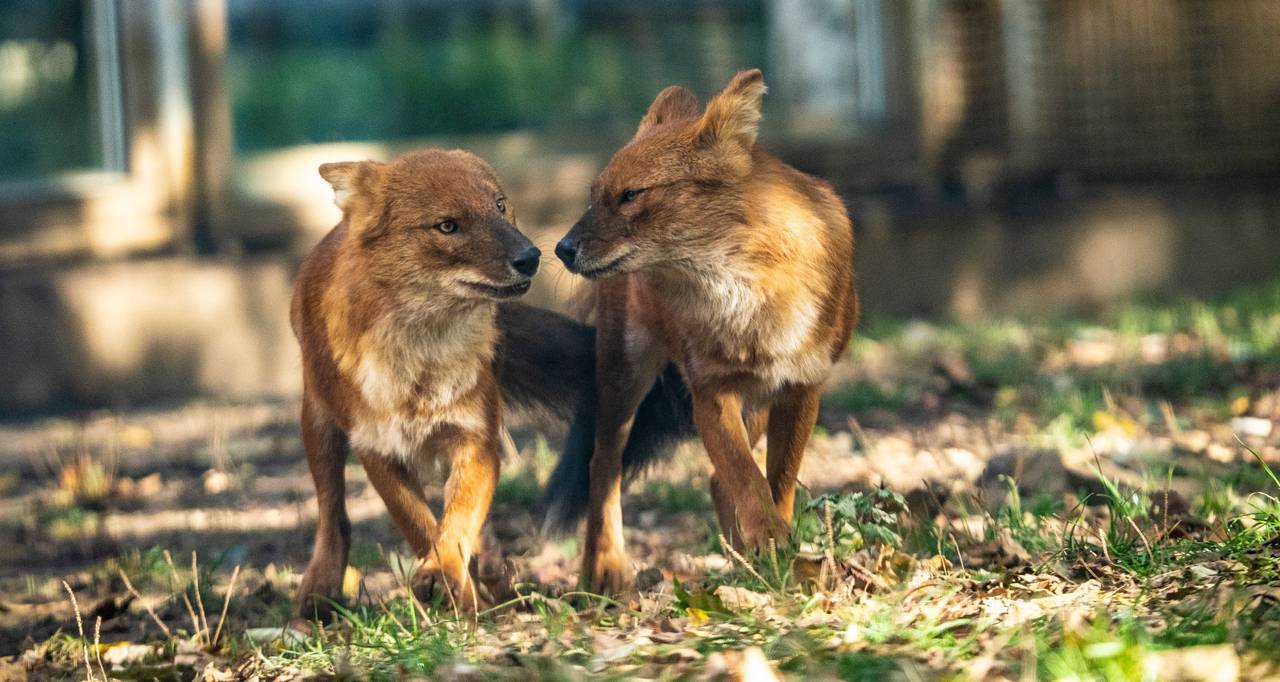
point(567, 250)
point(527, 262)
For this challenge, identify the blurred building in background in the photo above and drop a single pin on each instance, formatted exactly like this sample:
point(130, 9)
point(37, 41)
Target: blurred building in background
point(157, 157)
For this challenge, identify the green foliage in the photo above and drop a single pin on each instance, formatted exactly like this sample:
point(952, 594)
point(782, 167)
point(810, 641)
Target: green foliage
point(435, 72)
point(700, 599)
point(861, 519)
point(380, 644)
point(862, 666)
point(518, 488)
point(1101, 651)
point(859, 397)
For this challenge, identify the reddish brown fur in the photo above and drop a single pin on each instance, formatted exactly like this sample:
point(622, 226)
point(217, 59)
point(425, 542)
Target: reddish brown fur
point(738, 269)
point(396, 320)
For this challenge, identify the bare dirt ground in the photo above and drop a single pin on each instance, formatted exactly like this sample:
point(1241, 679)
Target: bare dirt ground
point(1007, 500)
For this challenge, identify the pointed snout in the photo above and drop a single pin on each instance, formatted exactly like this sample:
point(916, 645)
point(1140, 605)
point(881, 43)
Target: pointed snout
point(526, 262)
point(567, 250)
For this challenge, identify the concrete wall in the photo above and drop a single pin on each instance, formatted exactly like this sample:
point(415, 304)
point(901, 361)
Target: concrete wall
point(134, 331)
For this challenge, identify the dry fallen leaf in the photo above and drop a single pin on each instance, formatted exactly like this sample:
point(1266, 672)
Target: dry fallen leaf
point(742, 599)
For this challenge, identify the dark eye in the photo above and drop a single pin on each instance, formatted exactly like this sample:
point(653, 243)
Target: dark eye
point(502, 205)
point(629, 195)
point(447, 226)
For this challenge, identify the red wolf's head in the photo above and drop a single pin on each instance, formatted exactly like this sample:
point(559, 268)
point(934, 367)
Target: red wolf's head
point(433, 223)
point(673, 187)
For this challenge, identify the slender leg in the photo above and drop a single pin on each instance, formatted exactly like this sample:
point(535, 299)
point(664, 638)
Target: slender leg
point(473, 476)
point(326, 448)
point(718, 418)
point(625, 371)
point(401, 492)
point(756, 421)
point(790, 424)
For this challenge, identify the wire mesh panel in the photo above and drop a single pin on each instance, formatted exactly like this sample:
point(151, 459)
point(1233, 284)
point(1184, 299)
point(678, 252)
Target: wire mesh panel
point(1145, 86)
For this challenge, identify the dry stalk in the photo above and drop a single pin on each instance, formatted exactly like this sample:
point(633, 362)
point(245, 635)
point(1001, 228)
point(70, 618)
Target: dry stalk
point(733, 553)
point(959, 554)
point(97, 645)
point(226, 602)
point(1151, 555)
point(829, 556)
point(773, 561)
point(868, 445)
point(173, 580)
point(1170, 420)
point(404, 583)
point(84, 644)
point(150, 611)
point(195, 581)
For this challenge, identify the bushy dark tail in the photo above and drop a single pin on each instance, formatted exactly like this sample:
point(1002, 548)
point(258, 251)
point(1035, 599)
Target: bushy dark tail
point(664, 417)
point(546, 361)
point(546, 364)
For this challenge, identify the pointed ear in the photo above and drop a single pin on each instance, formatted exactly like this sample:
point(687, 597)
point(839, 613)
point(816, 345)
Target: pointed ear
point(357, 190)
point(673, 103)
point(733, 116)
point(350, 180)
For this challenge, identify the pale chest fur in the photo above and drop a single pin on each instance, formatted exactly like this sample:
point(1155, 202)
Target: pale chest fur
point(731, 322)
point(416, 376)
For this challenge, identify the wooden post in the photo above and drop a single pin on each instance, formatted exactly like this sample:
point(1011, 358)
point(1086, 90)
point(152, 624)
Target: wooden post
point(215, 150)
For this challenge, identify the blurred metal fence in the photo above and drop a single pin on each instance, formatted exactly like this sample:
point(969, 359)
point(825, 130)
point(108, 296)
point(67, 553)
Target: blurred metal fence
point(1138, 87)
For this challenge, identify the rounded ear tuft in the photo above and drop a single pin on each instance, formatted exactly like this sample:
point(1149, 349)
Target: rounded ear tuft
point(349, 180)
point(675, 102)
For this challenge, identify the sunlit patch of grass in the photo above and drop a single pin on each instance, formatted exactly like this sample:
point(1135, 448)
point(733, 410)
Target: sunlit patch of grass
point(387, 641)
point(68, 522)
point(1055, 371)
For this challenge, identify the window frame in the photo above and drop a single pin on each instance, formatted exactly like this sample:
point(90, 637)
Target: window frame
point(139, 199)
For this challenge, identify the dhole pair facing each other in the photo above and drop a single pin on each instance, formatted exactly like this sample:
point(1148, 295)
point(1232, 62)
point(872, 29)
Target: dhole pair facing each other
point(722, 293)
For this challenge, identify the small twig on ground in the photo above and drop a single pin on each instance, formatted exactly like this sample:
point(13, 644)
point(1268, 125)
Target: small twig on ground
point(724, 542)
point(150, 611)
point(870, 578)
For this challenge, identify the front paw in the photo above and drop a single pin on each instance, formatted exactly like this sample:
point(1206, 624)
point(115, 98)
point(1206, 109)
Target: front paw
point(605, 572)
point(319, 591)
point(766, 532)
point(448, 590)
